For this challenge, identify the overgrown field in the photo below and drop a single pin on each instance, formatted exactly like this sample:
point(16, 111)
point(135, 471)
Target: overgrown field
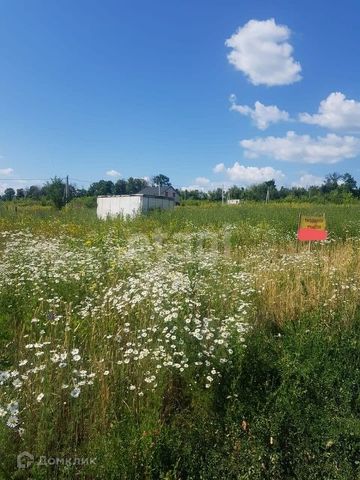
point(201, 343)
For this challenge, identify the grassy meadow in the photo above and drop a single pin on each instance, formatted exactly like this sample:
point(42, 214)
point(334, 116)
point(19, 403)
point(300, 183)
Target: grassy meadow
point(201, 343)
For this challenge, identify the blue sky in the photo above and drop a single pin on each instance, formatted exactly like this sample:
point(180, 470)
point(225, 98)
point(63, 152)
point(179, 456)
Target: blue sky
point(139, 87)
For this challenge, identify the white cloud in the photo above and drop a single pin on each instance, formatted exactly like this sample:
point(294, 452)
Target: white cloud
point(250, 175)
point(303, 148)
point(203, 184)
point(261, 51)
point(203, 181)
point(337, 112)
point(261, 115)
point(113, 173)
point(220, 167)
point(308, 180)
point(6, 171)
point(15, 184)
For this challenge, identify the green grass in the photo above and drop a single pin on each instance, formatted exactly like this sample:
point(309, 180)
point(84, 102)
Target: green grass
point(209, 348)
point(343, 220)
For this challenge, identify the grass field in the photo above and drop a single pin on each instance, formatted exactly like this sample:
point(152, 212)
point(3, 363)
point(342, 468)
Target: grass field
point(201, 343)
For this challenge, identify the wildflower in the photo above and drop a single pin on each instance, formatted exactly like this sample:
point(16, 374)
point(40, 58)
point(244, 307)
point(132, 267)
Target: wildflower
point(17, 383)
point(75, 392)
point(3, 377)
point(39, 397)
point(12, 421)
point(13, 407)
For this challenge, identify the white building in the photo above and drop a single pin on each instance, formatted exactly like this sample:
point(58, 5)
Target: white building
point(128, 206)
point(234, 201)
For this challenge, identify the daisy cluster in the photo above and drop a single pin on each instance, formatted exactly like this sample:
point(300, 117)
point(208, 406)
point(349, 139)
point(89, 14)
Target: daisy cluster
point(142, 309)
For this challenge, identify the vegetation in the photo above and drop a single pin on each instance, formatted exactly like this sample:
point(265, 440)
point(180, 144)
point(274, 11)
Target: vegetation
point(198, 343)
point(336, 188)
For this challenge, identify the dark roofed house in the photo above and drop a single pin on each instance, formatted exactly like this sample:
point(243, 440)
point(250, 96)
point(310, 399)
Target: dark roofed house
point(164, 191)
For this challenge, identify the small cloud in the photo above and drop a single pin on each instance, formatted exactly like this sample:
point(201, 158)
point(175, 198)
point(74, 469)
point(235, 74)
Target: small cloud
point(113, 173)
point(6, 171)
point(204, 184)
point(308, 180)
point(220, 167)
point(203, 181)
point(250, 175)
point(260, 49)
point(336, 112)
point(303, 148)
point(261, 115)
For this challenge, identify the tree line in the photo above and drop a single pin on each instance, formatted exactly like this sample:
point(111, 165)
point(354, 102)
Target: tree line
point(59, 192)
point(335, 188)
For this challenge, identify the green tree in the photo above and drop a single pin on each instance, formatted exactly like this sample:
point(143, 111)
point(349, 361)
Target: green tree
point(33, 192)
point(20, 193)
point(134, 185)
point(55, 191)
point(349, 184)
point(193, 195)
point(216, 195)
point(235, 192)
point(9, 194)
point(80, 192)
point(120, 187)
point(331, 182)
point(259, 192)
point(103, 187)
point(161, 180)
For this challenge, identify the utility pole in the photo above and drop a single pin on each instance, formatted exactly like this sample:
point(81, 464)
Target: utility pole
point(222, 195)
point(67, 189)
point(267, 195)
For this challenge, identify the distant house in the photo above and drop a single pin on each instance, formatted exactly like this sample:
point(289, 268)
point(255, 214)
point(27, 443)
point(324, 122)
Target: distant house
point(164, 191)
point(234, 201)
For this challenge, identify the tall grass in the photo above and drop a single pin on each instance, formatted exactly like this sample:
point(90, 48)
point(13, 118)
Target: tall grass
point(196, 343)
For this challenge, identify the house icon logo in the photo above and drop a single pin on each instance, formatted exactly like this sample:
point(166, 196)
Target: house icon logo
point(24, 460)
